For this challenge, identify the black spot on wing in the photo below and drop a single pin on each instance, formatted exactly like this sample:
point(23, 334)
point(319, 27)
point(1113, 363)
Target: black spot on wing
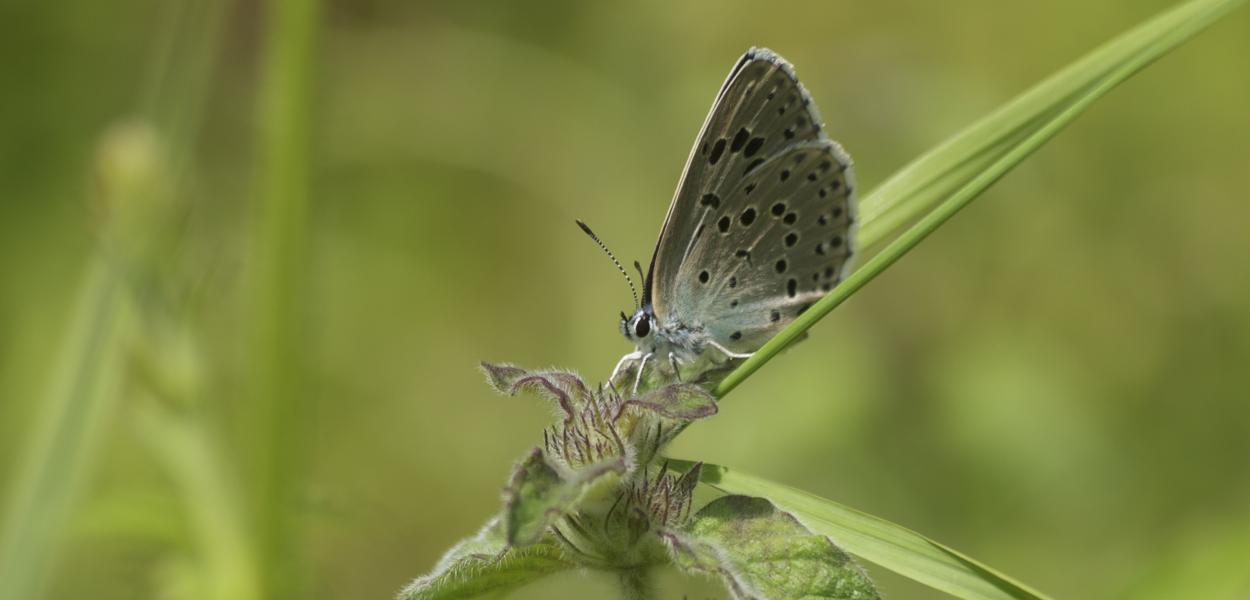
point(747, 217)
point(717, 150)
point(740, 140)
point(753, 146)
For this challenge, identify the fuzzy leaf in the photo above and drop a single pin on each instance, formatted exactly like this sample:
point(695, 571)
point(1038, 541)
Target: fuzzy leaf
point(502, 377)
point(483, 566)
point(539, 494)
point(874, 539)
point(565, 389)
point(689, 480)
point(763, 552)
point(680, 401)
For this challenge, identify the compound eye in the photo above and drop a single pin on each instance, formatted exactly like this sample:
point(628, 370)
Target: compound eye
point(642, 327)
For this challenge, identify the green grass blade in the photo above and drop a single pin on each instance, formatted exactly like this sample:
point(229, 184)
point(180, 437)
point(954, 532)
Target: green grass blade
point(54, 463)
point(933, 188)
point(276, 282)
point(874, 539)
point(930, 177)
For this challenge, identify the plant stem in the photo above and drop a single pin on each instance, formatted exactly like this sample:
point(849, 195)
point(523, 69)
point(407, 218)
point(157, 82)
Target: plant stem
point(194, 461)
point(276, 285)
point(637, 584)
point(80, 399)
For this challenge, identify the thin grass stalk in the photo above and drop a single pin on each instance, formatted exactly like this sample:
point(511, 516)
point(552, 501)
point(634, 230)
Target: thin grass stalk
point(175, 99)
point(276, 284)
point(55, 460)
point(927, 179)
point(1147, 42)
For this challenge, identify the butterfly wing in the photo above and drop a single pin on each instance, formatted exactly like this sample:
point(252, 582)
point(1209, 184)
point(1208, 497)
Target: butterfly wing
point(760, 226)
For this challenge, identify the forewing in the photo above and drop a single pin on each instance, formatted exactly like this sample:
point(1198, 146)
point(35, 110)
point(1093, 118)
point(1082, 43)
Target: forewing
point(761, 224)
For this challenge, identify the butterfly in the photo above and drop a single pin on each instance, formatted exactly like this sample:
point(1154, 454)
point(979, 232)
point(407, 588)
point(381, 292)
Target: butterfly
point(759, 229)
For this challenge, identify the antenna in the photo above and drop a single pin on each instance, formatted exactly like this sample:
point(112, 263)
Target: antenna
point(632, 290)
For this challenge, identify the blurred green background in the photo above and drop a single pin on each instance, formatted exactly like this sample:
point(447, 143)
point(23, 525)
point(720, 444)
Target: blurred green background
point(1055, 383)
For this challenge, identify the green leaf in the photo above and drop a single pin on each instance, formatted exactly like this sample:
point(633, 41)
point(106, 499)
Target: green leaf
point(763, 552)
point(210, 493)
point(565, 389)
point(483, 566)
point(934, 187)
point(539, 494)
point(874, 539)
point(679, 401)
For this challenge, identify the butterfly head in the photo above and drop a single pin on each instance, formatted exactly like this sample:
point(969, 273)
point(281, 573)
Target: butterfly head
point(640, 326)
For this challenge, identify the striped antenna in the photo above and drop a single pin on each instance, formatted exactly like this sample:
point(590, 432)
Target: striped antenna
point(632, 290)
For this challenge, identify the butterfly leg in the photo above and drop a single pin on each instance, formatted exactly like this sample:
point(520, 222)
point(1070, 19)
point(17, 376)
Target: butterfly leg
point(641, 365)
point(675, 363)
point(728, 352)
point(632, 356)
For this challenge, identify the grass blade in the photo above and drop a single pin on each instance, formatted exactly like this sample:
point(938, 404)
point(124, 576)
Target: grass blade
point(874, 539)
point(937, 173)
point(79, 403)
point(933, 188)
point(276, 281)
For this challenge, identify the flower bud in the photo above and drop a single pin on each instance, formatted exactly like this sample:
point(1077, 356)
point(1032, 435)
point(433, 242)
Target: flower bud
point(131, 198)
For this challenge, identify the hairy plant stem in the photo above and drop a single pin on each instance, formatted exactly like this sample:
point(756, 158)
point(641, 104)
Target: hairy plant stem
point(637, 584)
